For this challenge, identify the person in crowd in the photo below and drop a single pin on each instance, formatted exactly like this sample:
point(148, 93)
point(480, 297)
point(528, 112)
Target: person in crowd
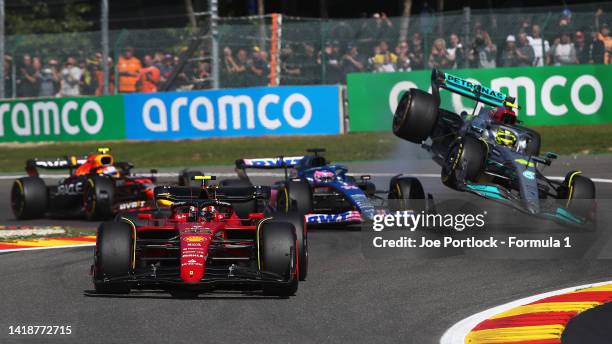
point(229, 67)
point(242, 61)
point(8, 78)
point(540, 46)
point(484, 52)
point(524, 51)
point(330, 57)
point(311, 70)
point(383, 60)
point(582, 49)
point(604, 44)
point(258, 67)
point(352, 61)
point(148, 77)
point(291, 66)
point(166, 68)
point(128, 67)
point(100, 78)
point(48, 81)
point(509, 56)
point(564, 53)
point(455, 52)
point(403, 57)
point(70, 78)
point(416, 55)
point(438, 58)
point(88, 79)
point(201, 76)
point(27, 80)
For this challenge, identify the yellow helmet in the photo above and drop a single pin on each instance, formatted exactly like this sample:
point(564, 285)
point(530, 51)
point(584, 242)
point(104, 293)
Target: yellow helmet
point(505, 137)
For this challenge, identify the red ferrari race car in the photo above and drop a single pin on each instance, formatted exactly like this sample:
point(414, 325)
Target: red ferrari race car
point(97, 187)
point(199, 243)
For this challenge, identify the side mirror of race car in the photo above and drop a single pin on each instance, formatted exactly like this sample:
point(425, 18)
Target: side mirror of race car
point(551, 155)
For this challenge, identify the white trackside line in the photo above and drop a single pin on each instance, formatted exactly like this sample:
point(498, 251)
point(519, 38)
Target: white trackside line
point(44, 248)
point(457, 333)
point(278, 174)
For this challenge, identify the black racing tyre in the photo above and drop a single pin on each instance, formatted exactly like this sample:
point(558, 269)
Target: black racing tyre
point(468, 156)
point(299, 223)
point(114, 249)
point(295, 196)
point(98, 198)
point(29, 198)
point(406, 193)
point(276, 249)
point(533, 142)
point(416, 116)
point(579, 194)
point(186, 179)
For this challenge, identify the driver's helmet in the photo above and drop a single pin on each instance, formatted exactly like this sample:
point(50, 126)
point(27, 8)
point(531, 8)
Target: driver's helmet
point(505, 137)
point(208, 213)
point(503, 115)
point(324, 176)
point(110, 171)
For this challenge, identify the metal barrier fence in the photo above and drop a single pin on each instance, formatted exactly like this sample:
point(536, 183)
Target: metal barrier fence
point(275, 49)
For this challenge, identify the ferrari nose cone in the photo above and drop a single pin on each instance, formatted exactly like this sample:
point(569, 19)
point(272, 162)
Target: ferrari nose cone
point(194, 250)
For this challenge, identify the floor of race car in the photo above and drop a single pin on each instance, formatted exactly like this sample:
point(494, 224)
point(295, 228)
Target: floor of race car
point(346, 298)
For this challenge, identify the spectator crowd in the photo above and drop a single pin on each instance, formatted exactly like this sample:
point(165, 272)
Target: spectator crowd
point(303, 61)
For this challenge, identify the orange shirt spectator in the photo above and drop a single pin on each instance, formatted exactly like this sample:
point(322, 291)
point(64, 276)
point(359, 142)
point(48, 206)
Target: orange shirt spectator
point(100, 79)
point(148, 78)
point(128, 66)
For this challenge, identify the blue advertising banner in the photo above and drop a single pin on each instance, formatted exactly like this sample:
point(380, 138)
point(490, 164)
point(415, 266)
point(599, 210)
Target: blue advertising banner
point(260, 111)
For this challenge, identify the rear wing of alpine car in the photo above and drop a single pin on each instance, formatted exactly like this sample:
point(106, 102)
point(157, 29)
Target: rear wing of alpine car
point(60, 163)
point(269, 163)
point(466, 88)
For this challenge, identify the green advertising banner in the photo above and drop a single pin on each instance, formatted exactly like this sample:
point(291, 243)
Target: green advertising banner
point(547, 95)
point(62, 119)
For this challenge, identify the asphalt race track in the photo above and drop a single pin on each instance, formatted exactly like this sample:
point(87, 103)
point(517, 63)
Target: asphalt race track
point(347, 297)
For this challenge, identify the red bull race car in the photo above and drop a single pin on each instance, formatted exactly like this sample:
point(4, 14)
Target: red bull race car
point(197, 242)
point(97, 188)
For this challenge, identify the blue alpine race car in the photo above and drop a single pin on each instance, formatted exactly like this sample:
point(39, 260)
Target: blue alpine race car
point(327, 194)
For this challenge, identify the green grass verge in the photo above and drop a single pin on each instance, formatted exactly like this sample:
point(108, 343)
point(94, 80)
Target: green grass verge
point(351, 147)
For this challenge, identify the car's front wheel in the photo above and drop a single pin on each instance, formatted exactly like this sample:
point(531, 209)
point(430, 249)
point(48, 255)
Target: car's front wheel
point(465, 161)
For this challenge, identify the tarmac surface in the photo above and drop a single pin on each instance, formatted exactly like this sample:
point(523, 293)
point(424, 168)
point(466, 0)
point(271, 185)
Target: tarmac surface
point(347, 298)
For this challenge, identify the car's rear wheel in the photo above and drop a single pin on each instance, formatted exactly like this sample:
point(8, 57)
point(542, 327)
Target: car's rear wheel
point(416, 116)
point(29, 198)
point(114, 250)
point(277, 246)
point(406, 193)
point(579, 194)
point(467, 156)
point(295, 196)
point(299, 223)
point(98, 194)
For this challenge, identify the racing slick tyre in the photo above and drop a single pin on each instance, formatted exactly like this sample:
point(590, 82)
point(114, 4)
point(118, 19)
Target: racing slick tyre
point(98, 196)
point(533, 143)
point(416, 116)
point(466, 156)
point(29, 198)
point(186, 179)
point(579, 193)
point(277, 254)
point(295, 196)
point(113, 256)
point(407, 193)
point(299, 223)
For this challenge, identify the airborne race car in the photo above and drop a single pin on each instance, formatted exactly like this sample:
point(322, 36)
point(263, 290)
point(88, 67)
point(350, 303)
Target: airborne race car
point(489, 154)
point(199, 243)
point(327, 195)
point(97, 188)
